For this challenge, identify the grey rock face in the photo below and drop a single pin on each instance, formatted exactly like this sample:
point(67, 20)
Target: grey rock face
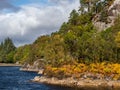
point(36, 66)
point(113, 12)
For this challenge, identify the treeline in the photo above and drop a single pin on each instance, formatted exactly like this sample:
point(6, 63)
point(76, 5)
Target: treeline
point(7, 51)
point(77, 40)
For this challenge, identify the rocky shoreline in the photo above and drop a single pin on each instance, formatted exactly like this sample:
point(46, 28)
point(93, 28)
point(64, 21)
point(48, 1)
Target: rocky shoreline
point(35, 67)
point(95, 81)
point(29, 70)
point(81, 83)
point(84, 83)
point(9, 64)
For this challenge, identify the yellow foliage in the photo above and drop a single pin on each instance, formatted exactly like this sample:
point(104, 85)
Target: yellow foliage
point(54, 69)
point(116, 77)
point(77, 70)
point(105, 69)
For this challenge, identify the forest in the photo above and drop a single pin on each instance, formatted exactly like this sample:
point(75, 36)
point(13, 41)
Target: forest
point(76, 47)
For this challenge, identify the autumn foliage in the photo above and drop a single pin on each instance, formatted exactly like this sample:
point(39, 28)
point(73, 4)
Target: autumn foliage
point(79, 70)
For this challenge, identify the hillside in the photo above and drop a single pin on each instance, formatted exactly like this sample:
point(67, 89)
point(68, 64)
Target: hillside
point(78, 39)
point(89, 39)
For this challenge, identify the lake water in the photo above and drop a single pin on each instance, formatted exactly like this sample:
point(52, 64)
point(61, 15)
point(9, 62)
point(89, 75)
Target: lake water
point(13, 79)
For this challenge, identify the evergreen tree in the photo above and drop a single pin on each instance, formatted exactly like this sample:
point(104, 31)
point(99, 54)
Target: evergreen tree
point(7, 50)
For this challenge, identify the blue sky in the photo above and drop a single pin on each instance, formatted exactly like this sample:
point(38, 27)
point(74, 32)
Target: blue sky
point(26, 20)
point(24, 2)
point(20, 2)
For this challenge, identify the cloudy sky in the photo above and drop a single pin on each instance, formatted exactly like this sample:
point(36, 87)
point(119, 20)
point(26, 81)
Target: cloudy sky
point(25, 20)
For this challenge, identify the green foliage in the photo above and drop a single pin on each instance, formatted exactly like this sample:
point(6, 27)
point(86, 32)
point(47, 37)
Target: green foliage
point(10, 58)
point(117, 39)
point(54, 51)
point(73, 17)
point(64, 28)
point(23, 54)
point(77, 40)
point(7, 50)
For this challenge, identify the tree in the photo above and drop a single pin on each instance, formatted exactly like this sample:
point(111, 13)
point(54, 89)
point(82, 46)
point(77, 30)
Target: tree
point(85, 4)
point(8, 45)
point(54, 51)
point(7, 49)
point(64, 28)
point(73, 17)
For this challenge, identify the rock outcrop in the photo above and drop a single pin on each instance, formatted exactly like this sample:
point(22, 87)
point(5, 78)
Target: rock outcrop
point(37, 66)
point(113, 12)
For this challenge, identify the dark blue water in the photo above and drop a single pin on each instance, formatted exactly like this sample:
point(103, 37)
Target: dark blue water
point(13, 79)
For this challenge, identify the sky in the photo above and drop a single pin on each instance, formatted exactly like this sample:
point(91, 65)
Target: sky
point(25, 20)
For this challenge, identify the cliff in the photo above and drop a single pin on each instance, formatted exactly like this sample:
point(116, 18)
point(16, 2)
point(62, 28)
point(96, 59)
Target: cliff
point(113, 12)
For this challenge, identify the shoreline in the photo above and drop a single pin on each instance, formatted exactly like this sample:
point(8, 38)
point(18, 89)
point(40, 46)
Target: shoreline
point(81, 83)
point(29, 70)
point(9, 64)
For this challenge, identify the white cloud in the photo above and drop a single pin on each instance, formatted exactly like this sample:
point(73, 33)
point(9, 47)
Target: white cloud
point(32, 21)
